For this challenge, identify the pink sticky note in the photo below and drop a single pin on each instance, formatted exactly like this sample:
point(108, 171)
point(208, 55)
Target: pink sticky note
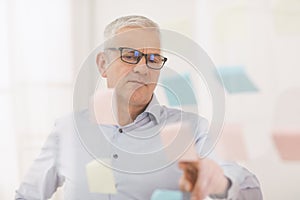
point(190, 155)
point(231, 145)
point(287, 143)
point(102, 107)
point(178, 141)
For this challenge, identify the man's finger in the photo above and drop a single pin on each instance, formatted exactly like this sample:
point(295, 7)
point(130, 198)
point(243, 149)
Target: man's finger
point(190, 174)
point(185, 185)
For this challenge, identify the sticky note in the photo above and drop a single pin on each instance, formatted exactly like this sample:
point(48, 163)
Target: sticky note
point(232, 145)
point(171, 195)
point(286, 15)
point(230, 24)
point(178, 141)
point(236, 80)
point(102, 107)
point(179, 90)
point(100, 177)
point(287, 143)
point(167, 195)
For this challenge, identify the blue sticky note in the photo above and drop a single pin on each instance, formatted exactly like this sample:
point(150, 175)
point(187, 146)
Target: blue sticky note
point(167, 195)
point(236, 80)
point(179, 90)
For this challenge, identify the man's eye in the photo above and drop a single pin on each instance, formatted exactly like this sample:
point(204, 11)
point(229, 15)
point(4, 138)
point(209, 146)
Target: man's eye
point(130, 56)
point(154, 59)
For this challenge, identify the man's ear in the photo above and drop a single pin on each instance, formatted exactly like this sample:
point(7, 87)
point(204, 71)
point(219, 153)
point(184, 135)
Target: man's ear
point(101, 61)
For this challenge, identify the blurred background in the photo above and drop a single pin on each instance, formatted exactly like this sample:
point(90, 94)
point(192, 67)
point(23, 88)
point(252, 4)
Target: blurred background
point(255, 45)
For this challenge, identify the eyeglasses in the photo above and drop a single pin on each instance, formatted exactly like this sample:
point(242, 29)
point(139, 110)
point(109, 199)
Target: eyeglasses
point(133, 56)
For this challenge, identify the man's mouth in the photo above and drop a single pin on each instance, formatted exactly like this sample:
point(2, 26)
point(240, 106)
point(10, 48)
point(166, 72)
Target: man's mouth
point(138, 82)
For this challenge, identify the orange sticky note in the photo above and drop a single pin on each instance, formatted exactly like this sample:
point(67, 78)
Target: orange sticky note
point(287, 143)
point(179, 143)
point(102, 107)
point(231, 145)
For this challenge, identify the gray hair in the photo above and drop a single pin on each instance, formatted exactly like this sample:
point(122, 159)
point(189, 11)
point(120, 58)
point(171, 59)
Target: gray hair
point(128, 21)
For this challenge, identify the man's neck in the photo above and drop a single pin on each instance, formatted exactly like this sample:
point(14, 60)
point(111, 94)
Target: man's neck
point(127, 114)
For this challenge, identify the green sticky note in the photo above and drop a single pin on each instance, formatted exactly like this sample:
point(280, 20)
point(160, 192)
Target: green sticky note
point(167, 195)
point(179, 90)
point(236, 80)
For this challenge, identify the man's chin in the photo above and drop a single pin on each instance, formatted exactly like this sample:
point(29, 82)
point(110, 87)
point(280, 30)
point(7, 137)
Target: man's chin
point(138, 98)
point(136, 94)
point(134, 86)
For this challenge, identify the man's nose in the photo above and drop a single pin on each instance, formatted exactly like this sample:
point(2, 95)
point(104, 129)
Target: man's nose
point(141, 67)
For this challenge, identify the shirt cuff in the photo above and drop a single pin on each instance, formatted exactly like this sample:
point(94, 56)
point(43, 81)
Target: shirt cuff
point(231, 192)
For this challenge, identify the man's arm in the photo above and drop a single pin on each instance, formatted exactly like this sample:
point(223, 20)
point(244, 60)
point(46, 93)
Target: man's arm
point(42, 179)
point(214, 176)
point(244, 184)
point(228, 181)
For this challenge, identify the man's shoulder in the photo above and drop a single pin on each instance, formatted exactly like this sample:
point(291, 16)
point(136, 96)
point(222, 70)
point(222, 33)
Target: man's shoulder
point(70, 120)
point(71, 116)
point(179, 114)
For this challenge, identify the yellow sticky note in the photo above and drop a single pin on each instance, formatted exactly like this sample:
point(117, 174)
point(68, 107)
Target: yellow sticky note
point(102, 107)
point(286, 15)
point(100, 178)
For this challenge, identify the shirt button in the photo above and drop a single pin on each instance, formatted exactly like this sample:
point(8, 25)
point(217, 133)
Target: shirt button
point(115, 156)
point(120, 130)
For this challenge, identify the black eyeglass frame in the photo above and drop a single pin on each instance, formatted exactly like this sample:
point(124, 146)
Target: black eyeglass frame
point(139, 58)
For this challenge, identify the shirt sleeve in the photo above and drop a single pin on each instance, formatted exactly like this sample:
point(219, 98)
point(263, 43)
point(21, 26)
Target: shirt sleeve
point(244, 184)
point(42, 179)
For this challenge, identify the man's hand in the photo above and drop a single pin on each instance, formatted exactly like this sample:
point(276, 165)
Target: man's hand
point(202, 178)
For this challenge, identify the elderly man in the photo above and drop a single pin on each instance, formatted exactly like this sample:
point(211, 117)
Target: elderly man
point(131, 62)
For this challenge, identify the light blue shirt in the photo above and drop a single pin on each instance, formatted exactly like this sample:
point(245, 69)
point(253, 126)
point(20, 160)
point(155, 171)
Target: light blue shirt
point(75, 142)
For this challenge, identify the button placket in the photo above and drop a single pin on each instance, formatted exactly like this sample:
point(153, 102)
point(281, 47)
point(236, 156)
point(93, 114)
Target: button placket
point(114, 155)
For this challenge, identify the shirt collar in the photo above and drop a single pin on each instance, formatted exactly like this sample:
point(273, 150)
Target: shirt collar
point(154, 108)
